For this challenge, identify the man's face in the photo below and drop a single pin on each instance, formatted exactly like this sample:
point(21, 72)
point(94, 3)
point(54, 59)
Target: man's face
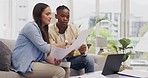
point(63, 17)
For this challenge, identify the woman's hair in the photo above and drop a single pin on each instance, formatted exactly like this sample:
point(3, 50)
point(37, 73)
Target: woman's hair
point(37, 16)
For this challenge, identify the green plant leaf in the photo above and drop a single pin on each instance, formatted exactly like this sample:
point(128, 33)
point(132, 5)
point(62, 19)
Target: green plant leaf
point(115, 47)
point(124, 42)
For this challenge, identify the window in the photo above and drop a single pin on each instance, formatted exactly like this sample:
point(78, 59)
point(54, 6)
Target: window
point(138, 23)
point(138, 17)
point(112, 10)
point(84, 12)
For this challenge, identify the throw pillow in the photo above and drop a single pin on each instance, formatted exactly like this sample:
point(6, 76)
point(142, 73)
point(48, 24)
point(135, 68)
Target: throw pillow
point(5, 57)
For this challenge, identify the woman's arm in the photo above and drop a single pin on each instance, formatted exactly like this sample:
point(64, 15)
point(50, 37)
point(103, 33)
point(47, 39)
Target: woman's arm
point(33, 34)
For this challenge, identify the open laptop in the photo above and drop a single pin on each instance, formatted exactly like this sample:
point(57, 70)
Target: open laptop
point(112, 64)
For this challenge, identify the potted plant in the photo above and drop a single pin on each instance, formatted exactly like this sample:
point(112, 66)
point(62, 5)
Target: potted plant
point(124, 48)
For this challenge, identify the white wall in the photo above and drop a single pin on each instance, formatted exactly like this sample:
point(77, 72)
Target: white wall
point(1, 19)
point(22, 15)
point(16, 13)
point(5, 24)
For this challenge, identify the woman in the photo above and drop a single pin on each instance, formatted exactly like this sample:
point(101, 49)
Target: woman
point(31, 46)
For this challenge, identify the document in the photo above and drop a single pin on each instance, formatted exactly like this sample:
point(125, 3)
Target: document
point(135, 73)
point(60, 53)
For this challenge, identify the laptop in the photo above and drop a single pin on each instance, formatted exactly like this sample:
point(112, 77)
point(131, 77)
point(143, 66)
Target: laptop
point(112, 64)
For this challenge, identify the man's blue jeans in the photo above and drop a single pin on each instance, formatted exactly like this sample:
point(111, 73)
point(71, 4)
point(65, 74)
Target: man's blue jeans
point(80, 62)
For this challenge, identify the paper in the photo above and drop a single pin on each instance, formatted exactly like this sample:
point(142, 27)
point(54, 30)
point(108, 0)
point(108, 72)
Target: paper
point(80, 39)
point(60, 53)
point(135, 73)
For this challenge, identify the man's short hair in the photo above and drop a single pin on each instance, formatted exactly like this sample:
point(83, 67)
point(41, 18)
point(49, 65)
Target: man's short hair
point(62, 7)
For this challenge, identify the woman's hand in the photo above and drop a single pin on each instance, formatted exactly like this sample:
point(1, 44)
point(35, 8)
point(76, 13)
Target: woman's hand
point(52, 60)
point(57, 62)
point(83, 49)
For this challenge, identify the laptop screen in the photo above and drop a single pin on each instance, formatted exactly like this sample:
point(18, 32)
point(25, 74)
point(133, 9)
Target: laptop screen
point(112, 64)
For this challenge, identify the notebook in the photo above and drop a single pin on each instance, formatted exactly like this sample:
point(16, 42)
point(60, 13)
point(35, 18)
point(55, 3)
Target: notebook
point(112, 64)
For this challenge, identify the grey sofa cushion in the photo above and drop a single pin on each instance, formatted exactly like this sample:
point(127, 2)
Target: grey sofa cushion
point(5, 57)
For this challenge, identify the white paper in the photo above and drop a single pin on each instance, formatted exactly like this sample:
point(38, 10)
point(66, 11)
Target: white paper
point(80, 40)
point(60, 53)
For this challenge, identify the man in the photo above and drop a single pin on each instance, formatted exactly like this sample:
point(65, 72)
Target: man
point(64, 32)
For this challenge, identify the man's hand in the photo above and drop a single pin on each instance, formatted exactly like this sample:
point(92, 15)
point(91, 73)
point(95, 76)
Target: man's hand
point(61, 44)
point(69, 42)
point(83, 49)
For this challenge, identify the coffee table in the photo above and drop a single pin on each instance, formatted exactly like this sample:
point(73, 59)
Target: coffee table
point(98, 74)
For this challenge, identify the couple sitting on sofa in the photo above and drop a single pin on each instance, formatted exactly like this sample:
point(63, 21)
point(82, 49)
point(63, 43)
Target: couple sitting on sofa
point(36, 39)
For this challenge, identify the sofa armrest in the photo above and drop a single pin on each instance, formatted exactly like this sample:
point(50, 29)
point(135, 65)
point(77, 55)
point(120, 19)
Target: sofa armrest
point(9, 43)
point(99, 61)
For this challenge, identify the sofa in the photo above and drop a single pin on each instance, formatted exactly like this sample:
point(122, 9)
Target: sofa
point(99, 63)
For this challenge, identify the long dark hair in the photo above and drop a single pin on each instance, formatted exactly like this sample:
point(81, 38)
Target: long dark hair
point(37, 12)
